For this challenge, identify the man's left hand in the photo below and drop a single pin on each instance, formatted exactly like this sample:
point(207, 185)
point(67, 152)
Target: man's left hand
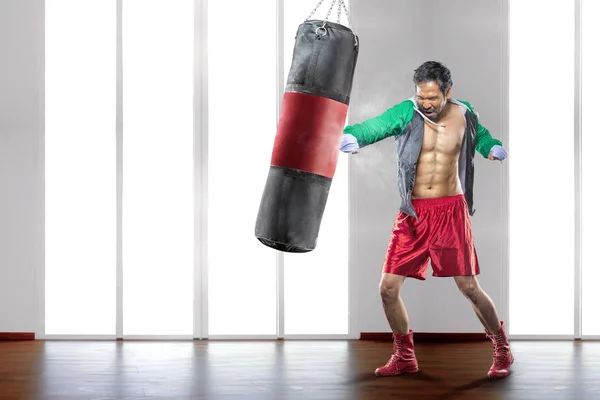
point(497, 153)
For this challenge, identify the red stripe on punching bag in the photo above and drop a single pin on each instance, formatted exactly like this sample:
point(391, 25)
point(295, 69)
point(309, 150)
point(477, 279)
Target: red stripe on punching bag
point(309, 133)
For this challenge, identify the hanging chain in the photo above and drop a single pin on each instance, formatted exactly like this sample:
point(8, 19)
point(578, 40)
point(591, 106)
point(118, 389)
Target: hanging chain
point(330, 8)
point(323, 28)
point(348, 18)
point(314, 10)
point(341, 3)
point(345, 11)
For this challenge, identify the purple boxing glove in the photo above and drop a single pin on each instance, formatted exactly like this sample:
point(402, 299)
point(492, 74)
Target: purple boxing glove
point(498, 152)
point(349, 144)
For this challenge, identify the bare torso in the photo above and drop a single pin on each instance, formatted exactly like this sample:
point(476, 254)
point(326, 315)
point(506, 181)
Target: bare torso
point(437, 166)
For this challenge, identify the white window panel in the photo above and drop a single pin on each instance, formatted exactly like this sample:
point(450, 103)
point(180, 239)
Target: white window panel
point(542, 168)
point(590, 87)
point(316, 283)
point(80, 167)
point(242, 125)
point(158, 212)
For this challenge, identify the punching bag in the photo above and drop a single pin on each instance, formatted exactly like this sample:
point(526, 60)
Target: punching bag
point(309, 132)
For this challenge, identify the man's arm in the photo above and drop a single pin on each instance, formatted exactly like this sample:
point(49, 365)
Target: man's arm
point(391, 123)
point(484, 141)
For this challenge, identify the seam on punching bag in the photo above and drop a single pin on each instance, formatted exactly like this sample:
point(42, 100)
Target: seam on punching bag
point(282, 212)
point(304, 175)
point(309, 80)
point(350, 82)
point(330, 94)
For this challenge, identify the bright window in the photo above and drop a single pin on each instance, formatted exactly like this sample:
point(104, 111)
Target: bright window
point(158, 212)
point(590, 168)
point(80, 167)
point(541, 168)
point(316, 283)
point(242, 124)
point(158, 199)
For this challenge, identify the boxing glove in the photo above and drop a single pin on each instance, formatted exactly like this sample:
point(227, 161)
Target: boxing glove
point(498, 152)
point(349, 143)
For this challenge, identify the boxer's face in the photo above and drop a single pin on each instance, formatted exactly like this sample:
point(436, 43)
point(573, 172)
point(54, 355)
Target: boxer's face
point(431, 99)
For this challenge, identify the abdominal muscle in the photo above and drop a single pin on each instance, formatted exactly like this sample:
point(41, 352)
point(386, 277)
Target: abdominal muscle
point(437, 166)
point(436, 176)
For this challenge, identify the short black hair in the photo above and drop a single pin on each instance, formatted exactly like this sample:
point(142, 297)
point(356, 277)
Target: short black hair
point(434, 71)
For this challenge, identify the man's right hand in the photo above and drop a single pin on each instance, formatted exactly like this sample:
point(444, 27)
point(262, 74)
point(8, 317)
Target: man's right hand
point(349, 144)
point(497, 153)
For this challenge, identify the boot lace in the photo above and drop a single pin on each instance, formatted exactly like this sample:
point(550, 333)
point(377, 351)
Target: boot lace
point(501, 354)
point(398, 349)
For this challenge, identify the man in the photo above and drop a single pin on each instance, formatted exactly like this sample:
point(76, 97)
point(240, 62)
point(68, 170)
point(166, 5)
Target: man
point(436, 139)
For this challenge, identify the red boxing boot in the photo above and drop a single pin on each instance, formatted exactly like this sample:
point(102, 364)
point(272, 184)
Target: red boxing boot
point(503, 357)
point(403, 361)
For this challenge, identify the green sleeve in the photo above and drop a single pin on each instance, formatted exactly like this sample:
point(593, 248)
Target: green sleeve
point(391, 123)
point(483, 140)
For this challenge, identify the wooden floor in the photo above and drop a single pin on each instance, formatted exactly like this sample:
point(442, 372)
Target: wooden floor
point(303, 370)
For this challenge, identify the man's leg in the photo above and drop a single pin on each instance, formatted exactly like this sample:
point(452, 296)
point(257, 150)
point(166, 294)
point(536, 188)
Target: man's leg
point(393, 306)
point(453, 254)
point(403, 360)
point(407, 256)
point(482, 303)
point(486, 312)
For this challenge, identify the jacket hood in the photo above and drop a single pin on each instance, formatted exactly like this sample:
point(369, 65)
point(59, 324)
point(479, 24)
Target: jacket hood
point(462, 106)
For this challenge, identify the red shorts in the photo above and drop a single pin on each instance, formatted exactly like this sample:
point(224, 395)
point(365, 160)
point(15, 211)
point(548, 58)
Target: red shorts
point(442, 235)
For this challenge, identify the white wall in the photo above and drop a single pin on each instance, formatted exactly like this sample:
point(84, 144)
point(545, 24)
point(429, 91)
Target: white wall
point(21, 161)
point(396, 36)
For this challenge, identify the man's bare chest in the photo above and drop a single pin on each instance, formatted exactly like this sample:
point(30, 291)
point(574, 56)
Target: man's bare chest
point(445, 139)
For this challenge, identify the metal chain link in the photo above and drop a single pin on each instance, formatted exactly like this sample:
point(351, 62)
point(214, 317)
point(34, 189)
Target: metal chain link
point(330, 8)
point(348, 18)
point(341, 3)
point(345, 11)
point(314, 10)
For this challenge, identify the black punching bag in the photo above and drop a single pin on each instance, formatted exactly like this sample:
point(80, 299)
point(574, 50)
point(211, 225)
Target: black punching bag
point(309, 133)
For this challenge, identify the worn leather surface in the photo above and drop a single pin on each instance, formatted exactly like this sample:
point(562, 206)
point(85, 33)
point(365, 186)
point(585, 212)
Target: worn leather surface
point(323, 64)
point(291, 210)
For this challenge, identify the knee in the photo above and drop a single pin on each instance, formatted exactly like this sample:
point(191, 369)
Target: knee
point(469, 289)
point(389, 292)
